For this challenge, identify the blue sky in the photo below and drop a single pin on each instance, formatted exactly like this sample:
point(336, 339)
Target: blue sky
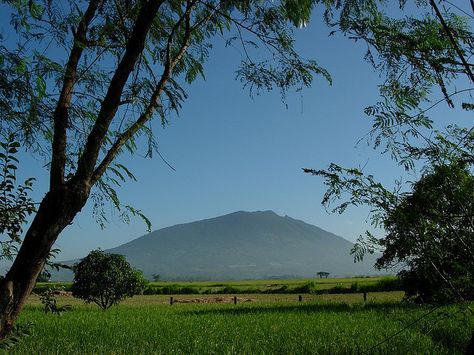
point(232, 152)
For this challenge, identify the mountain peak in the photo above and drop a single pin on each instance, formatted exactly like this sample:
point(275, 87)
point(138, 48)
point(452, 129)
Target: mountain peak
point(242, 245)
point(265, 212)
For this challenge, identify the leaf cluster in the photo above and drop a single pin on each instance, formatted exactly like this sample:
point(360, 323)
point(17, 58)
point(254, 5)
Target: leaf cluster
point(431, 231)
point(16, 335)
point(416, 54)
point(50, 304)
point(355, 188)
point(15, 204)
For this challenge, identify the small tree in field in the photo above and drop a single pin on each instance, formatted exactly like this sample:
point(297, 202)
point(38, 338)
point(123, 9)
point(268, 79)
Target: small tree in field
point(105, 279)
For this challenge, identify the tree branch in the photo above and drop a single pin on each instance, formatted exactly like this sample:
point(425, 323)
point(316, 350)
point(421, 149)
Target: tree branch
point(61, 114)
point(453, 41)
point(155, 98)
point(111, 102)
point(261, 36)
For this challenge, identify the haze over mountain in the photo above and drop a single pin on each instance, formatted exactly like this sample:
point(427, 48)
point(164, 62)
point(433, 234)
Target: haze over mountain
point(241, 245)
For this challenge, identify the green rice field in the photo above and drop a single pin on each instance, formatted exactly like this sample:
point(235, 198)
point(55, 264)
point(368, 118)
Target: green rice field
point(258, 324)
point(258, 286)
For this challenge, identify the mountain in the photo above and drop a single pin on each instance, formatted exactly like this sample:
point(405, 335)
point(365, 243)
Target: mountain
point(242, 245)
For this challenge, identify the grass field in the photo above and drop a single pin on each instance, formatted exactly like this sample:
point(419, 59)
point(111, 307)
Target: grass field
point(253, 286)
point(262, 284)
point(270, 324)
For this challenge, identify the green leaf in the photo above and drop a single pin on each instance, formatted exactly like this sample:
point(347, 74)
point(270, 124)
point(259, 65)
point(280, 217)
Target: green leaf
point(40, 87)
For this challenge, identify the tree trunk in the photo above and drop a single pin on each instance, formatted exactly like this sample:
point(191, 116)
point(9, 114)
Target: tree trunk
point(56, 211)
point(470, 346)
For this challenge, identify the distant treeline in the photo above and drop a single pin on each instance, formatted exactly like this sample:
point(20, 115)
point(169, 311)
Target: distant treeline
point(380, 285)
point(383, 285)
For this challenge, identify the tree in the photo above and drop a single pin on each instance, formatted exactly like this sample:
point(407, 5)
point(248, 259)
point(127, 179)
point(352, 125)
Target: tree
point(431, 232)
point(417, 56)
point(156, 277)
point(79, 115)
point(322, 274)
point(105, 279)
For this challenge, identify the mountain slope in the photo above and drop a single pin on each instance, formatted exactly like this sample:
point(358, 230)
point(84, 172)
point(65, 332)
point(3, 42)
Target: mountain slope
point(242, 245)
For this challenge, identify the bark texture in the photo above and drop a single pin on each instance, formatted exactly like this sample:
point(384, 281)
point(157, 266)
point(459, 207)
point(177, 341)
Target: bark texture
point(57, 210)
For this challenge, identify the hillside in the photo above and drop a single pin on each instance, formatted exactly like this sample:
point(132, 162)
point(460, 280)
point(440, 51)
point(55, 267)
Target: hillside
point(241, 245)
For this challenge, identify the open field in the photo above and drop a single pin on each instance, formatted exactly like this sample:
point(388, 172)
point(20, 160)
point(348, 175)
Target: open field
point(270, 324)
point(150, 300)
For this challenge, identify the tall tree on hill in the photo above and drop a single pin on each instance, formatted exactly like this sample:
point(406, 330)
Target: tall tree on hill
point(60, 98)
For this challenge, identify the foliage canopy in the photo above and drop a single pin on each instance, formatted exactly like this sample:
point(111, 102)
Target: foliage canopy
point(431, 232)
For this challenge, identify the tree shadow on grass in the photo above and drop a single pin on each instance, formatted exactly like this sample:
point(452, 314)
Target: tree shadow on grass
point(248, 308)
point(443, 337)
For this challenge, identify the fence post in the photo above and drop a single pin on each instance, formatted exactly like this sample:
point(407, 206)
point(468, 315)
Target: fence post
point(365, 296)
point(235, 299)
point(171, 301)
point(300, 298)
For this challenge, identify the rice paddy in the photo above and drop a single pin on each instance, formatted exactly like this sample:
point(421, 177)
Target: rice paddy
point(267, 324)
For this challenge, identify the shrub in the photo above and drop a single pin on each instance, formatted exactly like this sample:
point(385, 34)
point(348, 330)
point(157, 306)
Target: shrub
point(187, 291)
point(384, 285)
point(49, 302)
point(106, 279)
point(308, 287)
point(230, 290)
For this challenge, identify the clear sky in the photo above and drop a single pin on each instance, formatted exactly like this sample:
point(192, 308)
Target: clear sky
point(232, 152)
